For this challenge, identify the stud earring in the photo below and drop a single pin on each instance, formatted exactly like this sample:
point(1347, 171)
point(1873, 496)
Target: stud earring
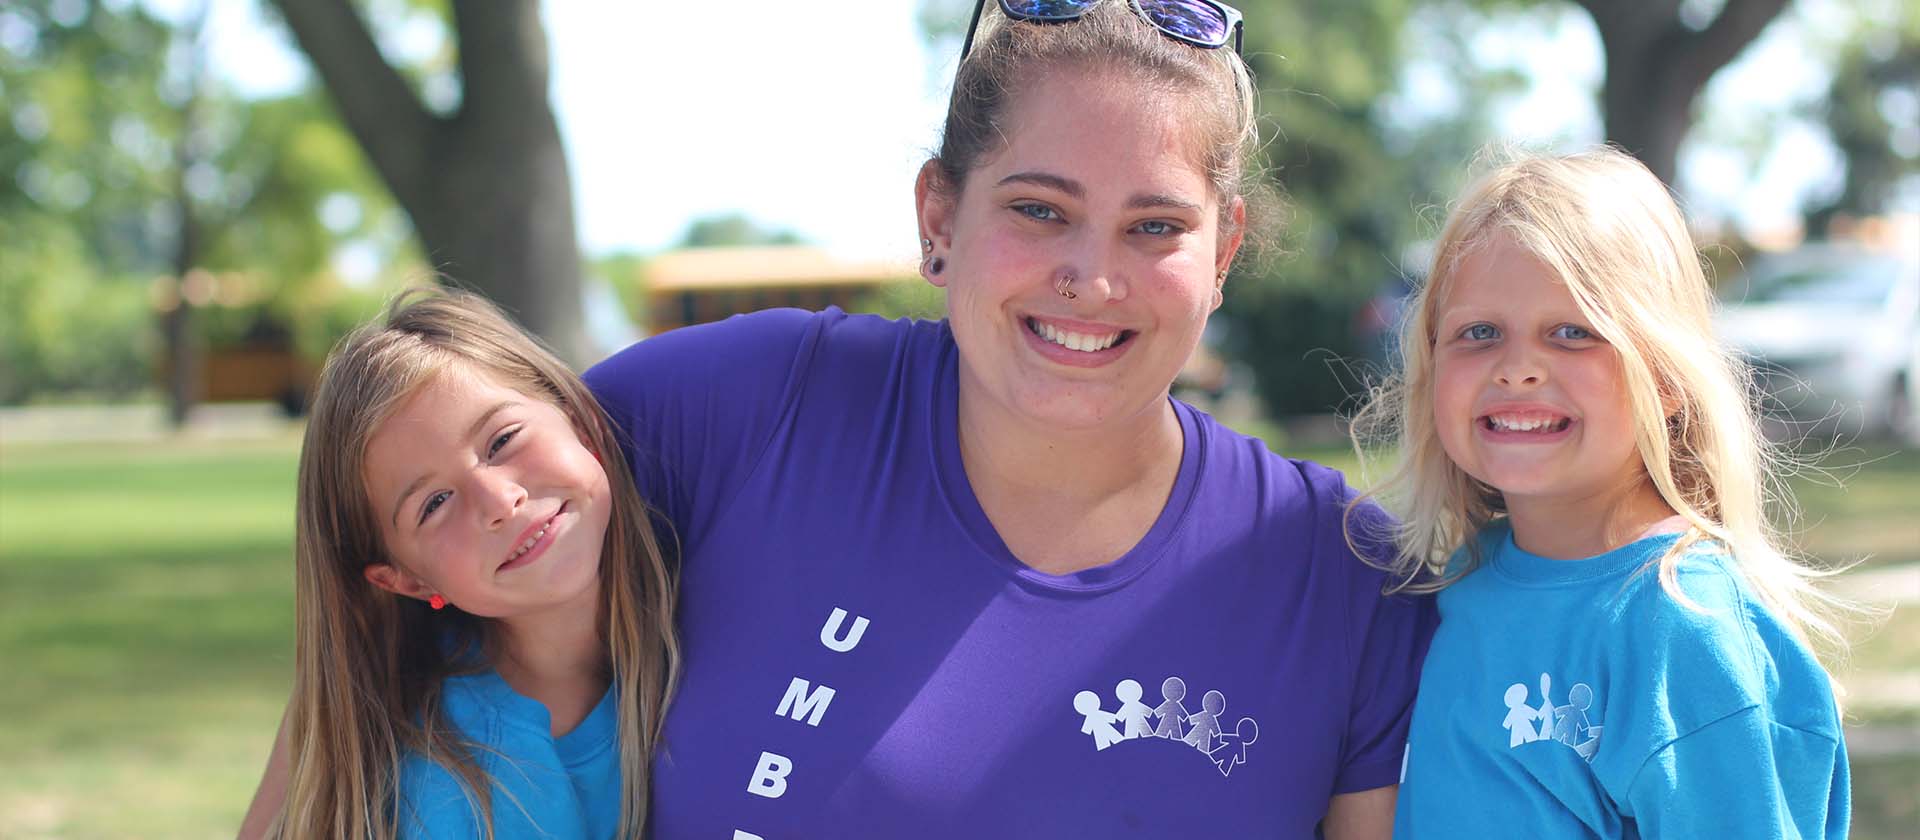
point(437, 601)
point(929, 263)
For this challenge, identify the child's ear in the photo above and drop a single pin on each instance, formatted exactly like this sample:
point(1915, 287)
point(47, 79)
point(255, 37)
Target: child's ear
point(392, 579)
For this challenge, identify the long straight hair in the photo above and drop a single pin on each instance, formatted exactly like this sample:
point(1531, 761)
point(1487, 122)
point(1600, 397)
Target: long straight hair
point(1608, 230)
point(369, 665)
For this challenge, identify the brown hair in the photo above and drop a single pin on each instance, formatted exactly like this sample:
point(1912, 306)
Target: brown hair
point(1009, 56)
point(369, 664)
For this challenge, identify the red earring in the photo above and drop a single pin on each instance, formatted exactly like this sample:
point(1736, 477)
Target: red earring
point(437, 602)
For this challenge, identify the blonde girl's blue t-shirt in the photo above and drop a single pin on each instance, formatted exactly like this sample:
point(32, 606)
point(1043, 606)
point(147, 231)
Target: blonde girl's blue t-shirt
point(1578, 698)
point(565, 787)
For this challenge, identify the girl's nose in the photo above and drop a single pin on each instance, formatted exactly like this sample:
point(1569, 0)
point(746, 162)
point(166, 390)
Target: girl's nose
point(1519, 368)
point(499, 495)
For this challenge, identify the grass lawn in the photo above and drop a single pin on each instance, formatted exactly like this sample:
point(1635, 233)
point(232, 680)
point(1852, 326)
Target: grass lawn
point(146, 629)
point(146, 623)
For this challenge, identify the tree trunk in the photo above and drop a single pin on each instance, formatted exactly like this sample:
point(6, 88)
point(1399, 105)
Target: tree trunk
point(184, 353)
point(1657, 66)
point(487, 187)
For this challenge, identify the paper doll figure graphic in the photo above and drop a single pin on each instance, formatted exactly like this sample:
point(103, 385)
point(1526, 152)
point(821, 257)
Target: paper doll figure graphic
point(1570, 725)
point(1171, 713)
point(1099, 722)
point(1132, 712)
point(1545, 713)
point(1206, 723)
point(1233, 746)
point(1520, 717)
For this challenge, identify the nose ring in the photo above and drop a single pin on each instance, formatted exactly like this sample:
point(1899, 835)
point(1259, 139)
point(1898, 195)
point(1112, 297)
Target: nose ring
point(1066, 280)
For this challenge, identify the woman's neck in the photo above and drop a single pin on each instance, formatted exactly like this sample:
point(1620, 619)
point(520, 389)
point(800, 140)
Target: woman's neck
point(1573, 528)
point(555, 656)
point(1069, 499)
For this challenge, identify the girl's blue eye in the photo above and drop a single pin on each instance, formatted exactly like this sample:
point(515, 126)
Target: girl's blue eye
point(433, 503)
point(501, 441)
point(1038, 212)
point(1570, 332)
point(1480, 332)
point(1156, 227)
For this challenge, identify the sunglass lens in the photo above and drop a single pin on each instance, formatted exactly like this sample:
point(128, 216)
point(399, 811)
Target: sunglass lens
point(1191, 20)
point(1046, 9)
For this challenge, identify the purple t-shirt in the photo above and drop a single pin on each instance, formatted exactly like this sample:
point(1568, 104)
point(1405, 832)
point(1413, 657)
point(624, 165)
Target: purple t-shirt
point(865, 658)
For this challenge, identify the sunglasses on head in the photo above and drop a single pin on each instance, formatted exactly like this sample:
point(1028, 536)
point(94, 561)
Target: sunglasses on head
point(1202, 23)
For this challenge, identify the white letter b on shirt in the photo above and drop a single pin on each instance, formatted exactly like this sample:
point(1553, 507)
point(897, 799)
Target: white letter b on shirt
point(770, 778)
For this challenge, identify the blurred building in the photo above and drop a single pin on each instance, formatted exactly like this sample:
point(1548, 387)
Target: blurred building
point(698, 285)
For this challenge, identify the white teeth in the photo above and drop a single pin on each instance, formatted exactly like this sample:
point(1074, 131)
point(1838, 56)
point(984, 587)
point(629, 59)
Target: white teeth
point(528, 545)
point(1529, 424)
point(1072, 340)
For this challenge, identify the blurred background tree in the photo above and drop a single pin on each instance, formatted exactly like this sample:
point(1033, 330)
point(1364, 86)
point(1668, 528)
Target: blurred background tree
point(479, 168)
point(1872, 113)
point(102, 159)
point(1370, 108)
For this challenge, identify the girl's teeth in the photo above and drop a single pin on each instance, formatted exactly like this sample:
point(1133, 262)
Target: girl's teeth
point(528, 545)
point(1525, 425)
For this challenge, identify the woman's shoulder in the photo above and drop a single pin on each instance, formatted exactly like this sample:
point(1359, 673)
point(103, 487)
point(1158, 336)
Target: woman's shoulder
point(1246, 459)
point(751, 353)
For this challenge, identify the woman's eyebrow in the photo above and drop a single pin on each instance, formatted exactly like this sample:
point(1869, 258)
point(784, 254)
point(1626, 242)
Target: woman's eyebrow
point(1044, 179)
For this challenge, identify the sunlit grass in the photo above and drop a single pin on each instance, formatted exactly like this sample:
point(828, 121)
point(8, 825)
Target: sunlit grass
point(146, 625)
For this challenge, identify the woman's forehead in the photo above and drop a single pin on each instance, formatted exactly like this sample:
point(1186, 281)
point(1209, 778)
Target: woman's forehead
point(1088, 127)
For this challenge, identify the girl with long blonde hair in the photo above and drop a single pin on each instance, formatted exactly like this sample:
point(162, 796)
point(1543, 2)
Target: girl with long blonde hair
point(484, 636)
point(1626, 644)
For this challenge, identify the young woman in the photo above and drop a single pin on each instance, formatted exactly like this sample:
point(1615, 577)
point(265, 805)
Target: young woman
point(920, 558)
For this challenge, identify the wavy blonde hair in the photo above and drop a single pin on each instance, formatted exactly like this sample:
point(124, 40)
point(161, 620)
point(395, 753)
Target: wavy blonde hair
point(369, 665)
point(1610, 231)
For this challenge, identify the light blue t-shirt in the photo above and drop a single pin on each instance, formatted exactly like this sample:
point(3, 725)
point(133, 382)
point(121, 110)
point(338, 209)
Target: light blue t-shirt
point(565, 787)
point(1577, 698)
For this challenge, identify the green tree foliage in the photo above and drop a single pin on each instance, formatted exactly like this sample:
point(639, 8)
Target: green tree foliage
point(1872, 114)
point(733, 230)
point(1357, 162)
point(90, 200)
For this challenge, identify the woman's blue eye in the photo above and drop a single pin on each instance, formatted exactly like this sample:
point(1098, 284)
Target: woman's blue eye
point(1480, 332)
point(1570, 332)
point(1157, 227)
point(1038, 212)
point(433, 503)
point(501, 441)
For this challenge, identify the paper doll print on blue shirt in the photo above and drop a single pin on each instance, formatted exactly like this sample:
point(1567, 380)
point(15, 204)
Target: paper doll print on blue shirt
point(1570, 724)
point(1203, 730)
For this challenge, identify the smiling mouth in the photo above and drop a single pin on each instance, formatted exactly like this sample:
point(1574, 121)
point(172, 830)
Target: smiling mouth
point(1535, 424)
point(1081, 342)
point(527, 546)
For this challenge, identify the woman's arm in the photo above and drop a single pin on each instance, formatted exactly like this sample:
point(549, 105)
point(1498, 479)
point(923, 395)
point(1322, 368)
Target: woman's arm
point(1361, 815)
point(272, 793)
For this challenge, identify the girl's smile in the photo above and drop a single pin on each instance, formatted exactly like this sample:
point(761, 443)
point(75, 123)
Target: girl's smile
point(1527, 397)
point(487, 497)
point(539, 537)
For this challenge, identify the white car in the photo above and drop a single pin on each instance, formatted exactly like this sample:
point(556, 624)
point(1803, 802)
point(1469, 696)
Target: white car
point(1832, 332)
